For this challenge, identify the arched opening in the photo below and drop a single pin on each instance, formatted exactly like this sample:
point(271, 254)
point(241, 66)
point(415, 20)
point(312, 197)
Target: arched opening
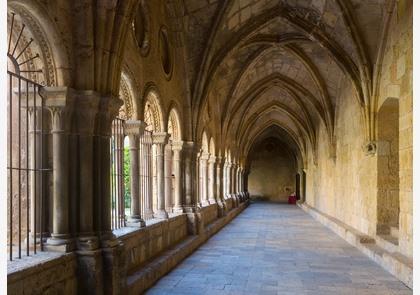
point(203, 170)
point(272, 171)
point(172, 160)
point(388, 207)
point(274, 163)
point(154, 121)
point(29, 137)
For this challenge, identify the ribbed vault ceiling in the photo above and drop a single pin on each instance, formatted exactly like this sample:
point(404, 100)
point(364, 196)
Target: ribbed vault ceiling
point(279, 64)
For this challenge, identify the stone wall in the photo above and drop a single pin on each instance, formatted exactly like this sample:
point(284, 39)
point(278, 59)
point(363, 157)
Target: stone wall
point(272, 172)
point(52, 275)
point(352, 184)
point(209, 214)
point(146, 243)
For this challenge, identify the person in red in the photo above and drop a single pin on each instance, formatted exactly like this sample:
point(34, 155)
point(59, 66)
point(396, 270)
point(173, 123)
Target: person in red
point(292, 198)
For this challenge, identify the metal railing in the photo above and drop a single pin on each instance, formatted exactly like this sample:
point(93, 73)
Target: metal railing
point(26, 171)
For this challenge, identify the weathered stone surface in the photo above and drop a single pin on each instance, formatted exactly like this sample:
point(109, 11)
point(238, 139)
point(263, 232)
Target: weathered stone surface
point(283, 251)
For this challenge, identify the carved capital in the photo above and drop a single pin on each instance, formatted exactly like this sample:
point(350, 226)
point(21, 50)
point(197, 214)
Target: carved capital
point(160, 138)
point(177, 145)
point(86, 107)
point(134, 127)
point(60, 102)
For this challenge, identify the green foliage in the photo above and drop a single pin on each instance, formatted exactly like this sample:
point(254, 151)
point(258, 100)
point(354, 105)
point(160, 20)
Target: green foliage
point(127, 188)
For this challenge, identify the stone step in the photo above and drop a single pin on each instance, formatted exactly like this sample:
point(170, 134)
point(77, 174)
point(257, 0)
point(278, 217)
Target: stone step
point(387, 242)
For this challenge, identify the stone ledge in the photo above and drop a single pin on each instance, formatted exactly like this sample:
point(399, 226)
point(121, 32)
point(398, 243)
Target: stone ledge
point(397, 264)
point(145, 277)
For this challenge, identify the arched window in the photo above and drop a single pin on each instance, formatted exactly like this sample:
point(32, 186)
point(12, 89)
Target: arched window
point(173, 155)
point(29, 123)
point(154, 123)
point(120, 158)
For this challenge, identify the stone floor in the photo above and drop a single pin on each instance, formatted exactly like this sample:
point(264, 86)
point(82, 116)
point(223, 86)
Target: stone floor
point(277, 249)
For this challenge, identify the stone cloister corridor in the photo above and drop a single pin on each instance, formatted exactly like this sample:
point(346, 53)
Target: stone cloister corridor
point(151, 143)
point(283, 251)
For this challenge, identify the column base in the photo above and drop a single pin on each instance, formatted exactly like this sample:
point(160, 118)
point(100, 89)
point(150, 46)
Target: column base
point(148, 214)
point(87, 242)
point(138, 222)
point(221, 209)
point(162, 214)
point(212, 201)
point(204, 203)
point(195, 224)
point(60, 243)
point(178, 209)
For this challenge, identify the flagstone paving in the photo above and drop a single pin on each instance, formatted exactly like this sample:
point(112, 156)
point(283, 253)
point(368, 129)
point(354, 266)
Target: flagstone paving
point(277, 249)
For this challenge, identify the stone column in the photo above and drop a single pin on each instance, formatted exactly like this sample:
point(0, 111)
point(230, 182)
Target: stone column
point(227, 177)
point(203, 179)
point(85, 112)
point(160, 140)
point(147, 170)
point(233, 183)
point(59, 100)
point(35, 157)
point(211, 182)
point(177, 164)
point(168, 177)
point(189, 176)
point(134, 130)
point(219, 186)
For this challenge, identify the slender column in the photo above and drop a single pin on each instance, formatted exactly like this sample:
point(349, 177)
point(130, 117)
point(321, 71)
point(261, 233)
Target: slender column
point(203, 179)
point(211, 182)
point(36, 177)
point(160, 140)
point(233, 179)
point(189, 176)
point(177, 149)
point(134, 130)
point(147, 197)
point(59, 101)
point(227, 192)
point(168, 177)
point(233, 183)
point(220, 179)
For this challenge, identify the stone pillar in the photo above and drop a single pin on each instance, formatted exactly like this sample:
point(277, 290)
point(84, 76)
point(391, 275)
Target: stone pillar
point(211, 182)
point(160, 140)
point(228, 191)
point(35, 157)
point(195, 226)
point(219, 186)
point(233, 183)
point(177, 164)
point(85, 111)
point(189, 176)
point(146, 168)
point(203, 179)
point(168, 177)
point(134, 130)
point(59, 100)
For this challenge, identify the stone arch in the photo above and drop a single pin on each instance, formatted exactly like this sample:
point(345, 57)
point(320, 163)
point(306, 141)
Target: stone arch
point(388, 206)
point(174, 124)
point(152, 111)
point(204, 142)
point(126, 94)
point(50, 46)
